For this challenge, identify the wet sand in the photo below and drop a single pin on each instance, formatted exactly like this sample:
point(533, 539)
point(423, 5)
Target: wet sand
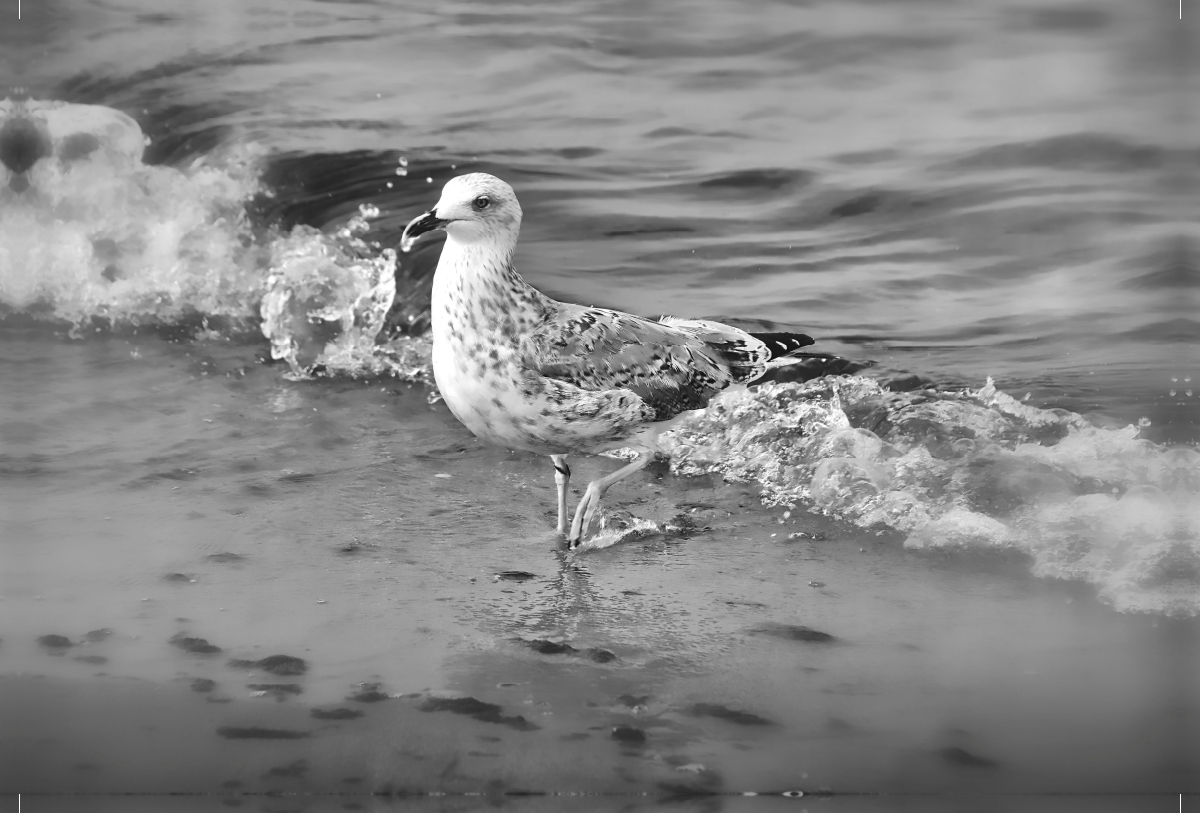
point(178, 514)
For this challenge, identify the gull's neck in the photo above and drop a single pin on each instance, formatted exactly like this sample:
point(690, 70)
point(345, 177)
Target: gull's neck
point(476, 288)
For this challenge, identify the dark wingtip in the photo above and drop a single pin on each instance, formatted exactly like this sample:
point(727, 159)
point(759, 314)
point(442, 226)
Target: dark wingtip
point(783, 344)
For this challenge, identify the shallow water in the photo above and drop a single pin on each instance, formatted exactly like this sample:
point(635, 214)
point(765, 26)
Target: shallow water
point(939, 194)
point(345, 525)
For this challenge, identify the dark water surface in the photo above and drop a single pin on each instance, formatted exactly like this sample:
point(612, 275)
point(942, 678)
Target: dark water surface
point(963, 190)
point(939, 192)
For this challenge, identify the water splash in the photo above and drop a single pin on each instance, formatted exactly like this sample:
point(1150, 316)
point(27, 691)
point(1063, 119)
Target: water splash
point(327, 301)
point(969, 470)
point(89, 234)
point(618, 527)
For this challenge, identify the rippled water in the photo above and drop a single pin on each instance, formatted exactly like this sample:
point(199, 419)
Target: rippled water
point(989, 214)
point(955, 192)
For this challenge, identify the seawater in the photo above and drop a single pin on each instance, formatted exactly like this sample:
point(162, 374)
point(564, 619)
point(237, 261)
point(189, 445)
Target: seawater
point(971, 207)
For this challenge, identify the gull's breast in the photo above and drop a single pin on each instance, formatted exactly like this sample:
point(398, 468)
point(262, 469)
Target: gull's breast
point(487, 390)
point(503, 403)
point(482, 323)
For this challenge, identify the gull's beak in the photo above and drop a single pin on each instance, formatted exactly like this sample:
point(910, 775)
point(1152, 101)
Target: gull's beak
point(425, 223)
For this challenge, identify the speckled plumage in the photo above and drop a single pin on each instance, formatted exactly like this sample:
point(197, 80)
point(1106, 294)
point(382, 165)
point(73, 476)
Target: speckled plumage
point(524, 371)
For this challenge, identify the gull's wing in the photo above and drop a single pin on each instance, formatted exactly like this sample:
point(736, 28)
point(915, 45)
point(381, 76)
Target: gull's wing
point(673, 365)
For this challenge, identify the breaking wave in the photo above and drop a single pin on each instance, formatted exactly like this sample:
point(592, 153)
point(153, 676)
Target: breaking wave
point(92, 237)
point(975, 470)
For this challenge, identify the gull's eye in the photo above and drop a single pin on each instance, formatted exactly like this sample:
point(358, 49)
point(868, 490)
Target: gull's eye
point(481, 202)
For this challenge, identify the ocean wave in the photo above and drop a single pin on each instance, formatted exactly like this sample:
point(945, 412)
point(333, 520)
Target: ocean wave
point(969, 470)
point(95, 239)
point(88, 232)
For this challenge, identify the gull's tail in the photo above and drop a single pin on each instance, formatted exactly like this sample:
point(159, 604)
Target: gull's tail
point(783, 345)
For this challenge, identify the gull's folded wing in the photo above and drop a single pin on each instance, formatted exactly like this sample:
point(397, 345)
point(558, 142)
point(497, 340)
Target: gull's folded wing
point(673, 365)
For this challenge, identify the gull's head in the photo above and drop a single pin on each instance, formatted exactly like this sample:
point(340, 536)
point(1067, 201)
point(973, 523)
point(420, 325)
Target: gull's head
point(475, 208)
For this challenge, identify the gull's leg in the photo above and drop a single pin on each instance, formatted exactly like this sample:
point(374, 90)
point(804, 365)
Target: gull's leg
point(562, 478)
point(595, 490)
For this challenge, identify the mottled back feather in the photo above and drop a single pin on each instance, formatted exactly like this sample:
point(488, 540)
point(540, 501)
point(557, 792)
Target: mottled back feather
point(673, 365)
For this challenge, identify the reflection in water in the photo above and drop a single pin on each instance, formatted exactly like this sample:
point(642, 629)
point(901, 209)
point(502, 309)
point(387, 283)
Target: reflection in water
point(573, 598)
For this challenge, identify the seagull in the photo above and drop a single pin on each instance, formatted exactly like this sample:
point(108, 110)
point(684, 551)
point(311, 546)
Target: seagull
point(529, 373)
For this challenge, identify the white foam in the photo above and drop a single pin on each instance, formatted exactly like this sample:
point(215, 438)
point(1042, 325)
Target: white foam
point(97, 234)
point(969, 470)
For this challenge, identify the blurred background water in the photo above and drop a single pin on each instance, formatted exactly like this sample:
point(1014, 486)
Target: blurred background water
point(960, 189)
point(945, 191)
